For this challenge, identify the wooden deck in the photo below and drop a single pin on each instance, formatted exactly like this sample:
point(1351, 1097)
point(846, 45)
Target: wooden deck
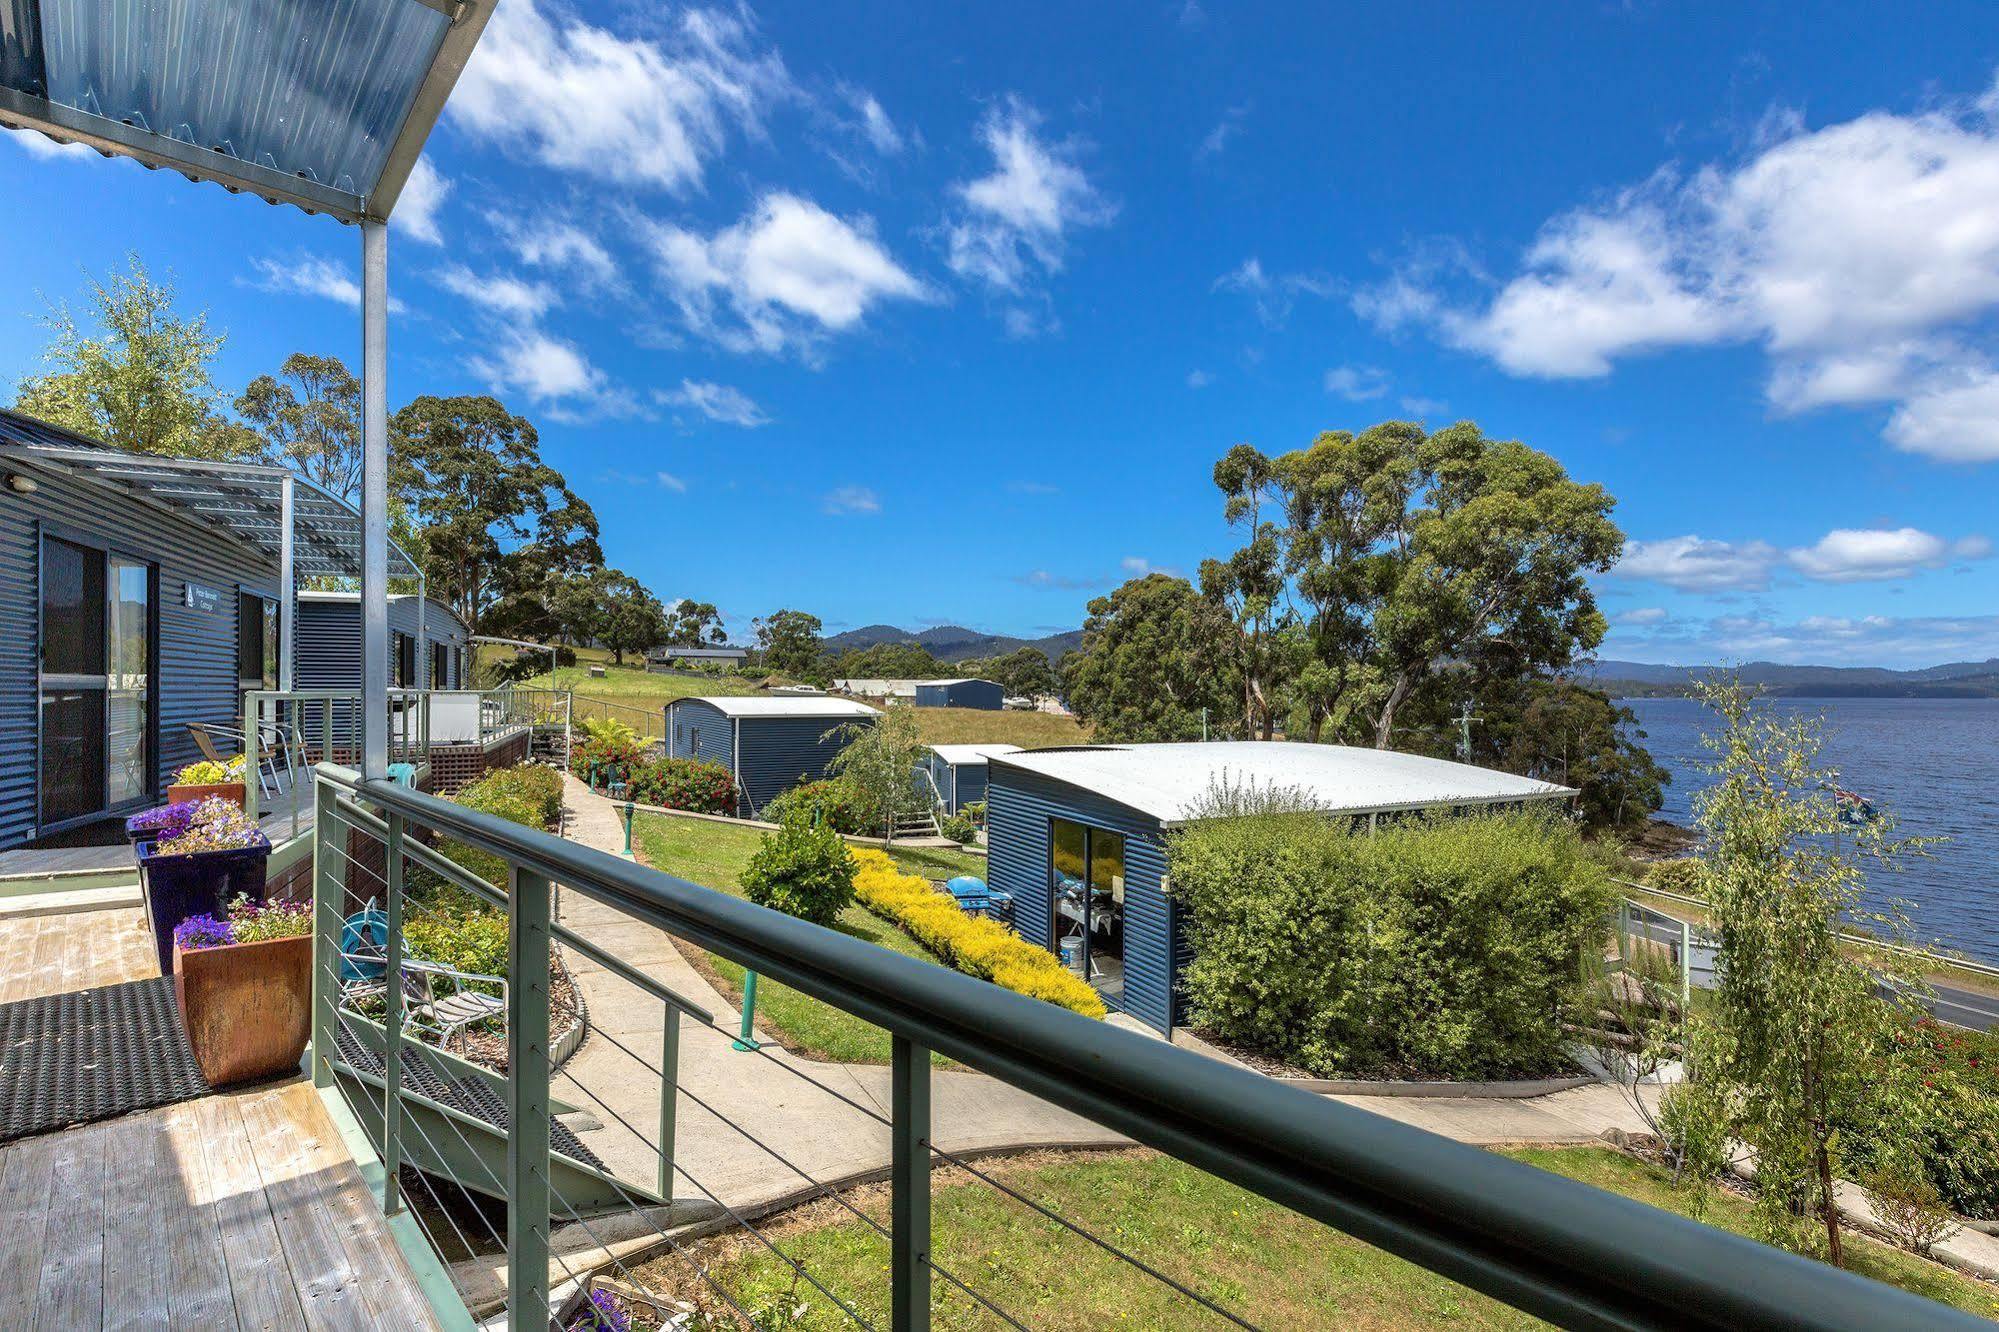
point(282, 817)
point(76, 950)
point(238, 1211)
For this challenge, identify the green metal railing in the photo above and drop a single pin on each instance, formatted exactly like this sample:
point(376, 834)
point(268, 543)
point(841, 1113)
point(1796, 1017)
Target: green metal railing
point(1560, 1250)
point(286, 731)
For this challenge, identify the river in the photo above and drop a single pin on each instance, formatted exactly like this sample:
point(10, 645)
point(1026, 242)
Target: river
point(1933, 763)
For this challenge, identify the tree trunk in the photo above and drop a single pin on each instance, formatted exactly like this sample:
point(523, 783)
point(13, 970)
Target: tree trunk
point(1831, 1204)
point(1384, 723)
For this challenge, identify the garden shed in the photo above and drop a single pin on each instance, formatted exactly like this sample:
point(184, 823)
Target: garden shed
point(1077, 837)
point(960, 694)
point(958, 772)
point(768, 744)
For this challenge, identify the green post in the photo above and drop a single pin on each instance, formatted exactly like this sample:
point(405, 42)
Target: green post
point(629, 811)
point(392, 1025)
point(328, 902)
point(909, 1181)
point(251, 758)
point(747, 1040)
point(528, 942)
point(669, 1096)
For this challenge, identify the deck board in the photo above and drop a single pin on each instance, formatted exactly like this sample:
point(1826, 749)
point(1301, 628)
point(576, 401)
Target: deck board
point(78, 950)
point(241, 1210)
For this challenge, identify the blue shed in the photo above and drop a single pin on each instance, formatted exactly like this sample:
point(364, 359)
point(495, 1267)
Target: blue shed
point(982, 694)
point(958, 773)
point(769, 744)
point(1077, 836)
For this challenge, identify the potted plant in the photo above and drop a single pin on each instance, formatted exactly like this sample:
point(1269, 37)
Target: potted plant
point(244, 986)
point(200, 781)
point(219, 855)
point(162, 823)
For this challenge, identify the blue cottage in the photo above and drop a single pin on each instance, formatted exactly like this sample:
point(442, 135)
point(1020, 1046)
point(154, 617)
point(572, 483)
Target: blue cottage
point(769, 744)
point(1077, 836)
point(982, 694)
point(958, 773)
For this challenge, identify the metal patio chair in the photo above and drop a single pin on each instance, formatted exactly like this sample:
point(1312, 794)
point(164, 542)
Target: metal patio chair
point(439, 1002)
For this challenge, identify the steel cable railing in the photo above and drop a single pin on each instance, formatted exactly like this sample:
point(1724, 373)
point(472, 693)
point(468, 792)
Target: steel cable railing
point(1548, 1245)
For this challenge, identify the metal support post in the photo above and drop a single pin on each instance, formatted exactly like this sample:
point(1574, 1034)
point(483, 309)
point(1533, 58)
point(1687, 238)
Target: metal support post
point(329, 903)
point(392, 1023)
point(374, 499)
point(747, 1039)
point(669, 1096)
point(909, 1173)
point(287, 583)
point(528, 942)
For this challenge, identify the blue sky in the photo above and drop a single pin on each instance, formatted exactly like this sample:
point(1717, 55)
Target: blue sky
point(898, 314)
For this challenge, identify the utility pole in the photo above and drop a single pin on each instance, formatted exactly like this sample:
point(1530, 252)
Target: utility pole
point(1465, 719)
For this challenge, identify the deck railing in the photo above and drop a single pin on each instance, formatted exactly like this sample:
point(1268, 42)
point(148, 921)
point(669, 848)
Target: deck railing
point(1555, 1248)
point(285, 732)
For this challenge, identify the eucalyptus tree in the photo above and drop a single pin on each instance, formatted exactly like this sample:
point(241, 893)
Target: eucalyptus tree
point(1158, 662)
point(308, 417)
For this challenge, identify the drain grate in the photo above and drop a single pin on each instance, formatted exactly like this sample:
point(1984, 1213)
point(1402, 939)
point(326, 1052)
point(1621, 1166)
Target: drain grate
point(76, 1058)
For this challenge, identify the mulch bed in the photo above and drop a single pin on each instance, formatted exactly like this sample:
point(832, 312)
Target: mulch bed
point(489, 1048)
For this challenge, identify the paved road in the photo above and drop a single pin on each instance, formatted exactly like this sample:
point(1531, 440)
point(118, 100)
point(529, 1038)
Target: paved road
point(1948, 1003)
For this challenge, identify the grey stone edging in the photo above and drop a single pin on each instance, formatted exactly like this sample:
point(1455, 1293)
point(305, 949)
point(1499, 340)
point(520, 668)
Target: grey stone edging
point(570, 1039)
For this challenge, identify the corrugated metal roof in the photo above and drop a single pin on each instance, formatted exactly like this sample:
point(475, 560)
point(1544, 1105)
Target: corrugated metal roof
point(243, 499)
point(1170, 781)
point(320, 103)
point(730, 705)
point(959, 755)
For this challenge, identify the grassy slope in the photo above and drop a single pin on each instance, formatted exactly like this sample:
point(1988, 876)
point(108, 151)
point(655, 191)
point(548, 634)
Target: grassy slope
point(973, 726)
point(1280, 1269)
point(715, 855)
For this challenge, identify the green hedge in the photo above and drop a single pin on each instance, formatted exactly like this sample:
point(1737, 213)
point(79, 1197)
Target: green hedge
point(830, 802)
point(1432, 948)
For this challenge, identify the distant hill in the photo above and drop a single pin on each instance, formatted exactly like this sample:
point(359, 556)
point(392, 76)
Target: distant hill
point(951, 642)
point(1957, 679)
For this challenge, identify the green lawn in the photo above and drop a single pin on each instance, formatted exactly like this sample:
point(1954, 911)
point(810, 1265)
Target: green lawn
point(715, 855)
point(641, 688)
point(978, 726)
point(1276, 1268)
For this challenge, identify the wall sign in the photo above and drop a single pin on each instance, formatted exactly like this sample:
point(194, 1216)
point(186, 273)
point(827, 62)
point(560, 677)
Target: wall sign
point(207, 600)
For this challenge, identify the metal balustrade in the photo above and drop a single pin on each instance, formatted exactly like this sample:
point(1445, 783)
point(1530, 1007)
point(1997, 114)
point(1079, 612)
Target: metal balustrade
point(1558, 1249)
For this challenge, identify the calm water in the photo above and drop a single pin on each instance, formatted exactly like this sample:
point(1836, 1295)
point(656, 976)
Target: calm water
point(1933, 762)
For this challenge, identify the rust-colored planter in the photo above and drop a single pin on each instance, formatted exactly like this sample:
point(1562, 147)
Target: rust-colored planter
point(247, 1007)
point(230, 791)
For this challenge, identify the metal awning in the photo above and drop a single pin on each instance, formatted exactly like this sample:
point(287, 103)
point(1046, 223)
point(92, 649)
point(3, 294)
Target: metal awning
point(324, 104)
point(246, 500)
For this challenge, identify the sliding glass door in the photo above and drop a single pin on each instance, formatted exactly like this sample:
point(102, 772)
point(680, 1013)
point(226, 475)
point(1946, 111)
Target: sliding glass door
point(96, 682)
point(1086, 882)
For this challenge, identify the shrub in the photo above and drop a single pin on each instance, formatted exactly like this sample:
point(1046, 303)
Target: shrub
point(958, 828)
point(975, 811)
point(802, 870)
point(974, 945)
point(830, 802)
point(1445, 946)
point(464, 938)
point(620, 753)
point(1950, 1130)
point(527, 794)
point(535, 786)
point(690, 784)
point(1908, 1206)
point(1681, 876)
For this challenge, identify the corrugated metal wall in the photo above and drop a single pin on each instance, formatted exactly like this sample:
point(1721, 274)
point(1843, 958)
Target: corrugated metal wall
point(329, 640)
point(971, 785)
point(961, 694)
point(697, 730)
point(1019, 806)
point(946, 777)
point(196, 680)
point(777, 753)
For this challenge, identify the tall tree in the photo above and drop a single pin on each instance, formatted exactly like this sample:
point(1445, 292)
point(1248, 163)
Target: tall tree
point(788, 643)
point(496, 520)
point(1156, 657)
point(631, 619)
point(890, 661)
point(140, 379)
point(309, 418)
point(694, 624)
point(874, 764)
point(1026, 672)
point(1249, 585)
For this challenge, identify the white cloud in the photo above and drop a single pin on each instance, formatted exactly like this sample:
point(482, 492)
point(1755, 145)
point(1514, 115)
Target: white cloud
point(1216, 140)
point(717, 402)
point(540, 365)
point(1199, 379)
point(309, 275)
point(790, 272)
point(871, 123)
point(1133, 564)
point(36, 144)
point(851, 500)
point(499, 293)
point(555, 243)
point(1357, 383)
point(1867, 640)
point(550, 86)
point(1272, 296)
point(1849, 555)
point(417, 207)
point(1060, 582)
point(1692, 564)
point(673, 483)
point(1641, 616)
point(1424, 408)
point(1018, 218)
point(1859, 255)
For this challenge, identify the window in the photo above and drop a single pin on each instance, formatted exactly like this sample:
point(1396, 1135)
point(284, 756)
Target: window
point(1086, 898)
point(273, 652)
point(403, 663)
point(96, 682)
point(440, 667)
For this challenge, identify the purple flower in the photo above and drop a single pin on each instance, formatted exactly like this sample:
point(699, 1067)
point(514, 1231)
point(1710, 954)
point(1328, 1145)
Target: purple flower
point(605, 1313)
point(165, 822)
point(203, 932)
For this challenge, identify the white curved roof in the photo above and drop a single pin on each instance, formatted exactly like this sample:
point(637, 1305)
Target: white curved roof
point(958, 755)
point(1170, 781)
point(731, 705)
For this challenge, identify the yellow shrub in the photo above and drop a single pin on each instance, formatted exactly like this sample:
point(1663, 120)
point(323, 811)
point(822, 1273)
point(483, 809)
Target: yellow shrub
point(972, 944)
